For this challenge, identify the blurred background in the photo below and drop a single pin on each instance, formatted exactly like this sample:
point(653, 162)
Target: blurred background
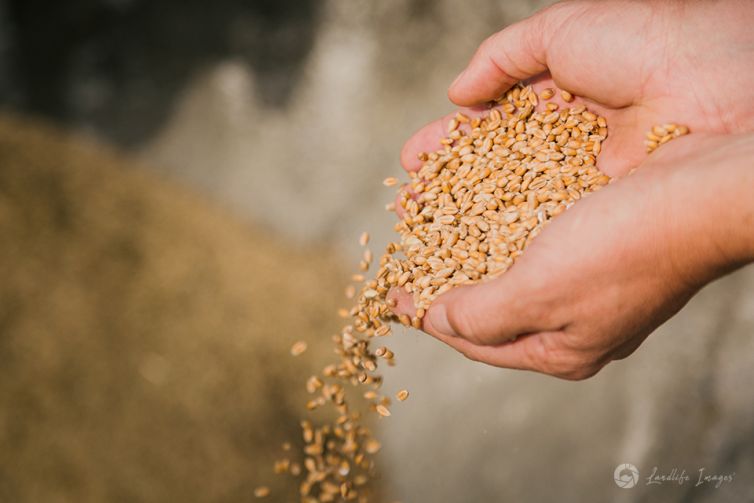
point(182, 185)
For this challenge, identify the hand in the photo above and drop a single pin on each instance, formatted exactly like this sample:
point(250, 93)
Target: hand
point(602, 276)
point(636, 63)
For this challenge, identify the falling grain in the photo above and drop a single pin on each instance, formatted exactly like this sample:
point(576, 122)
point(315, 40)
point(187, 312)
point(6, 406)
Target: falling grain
point(364, 238)
point(261, 492)
point(298, 348)
point(382, 410)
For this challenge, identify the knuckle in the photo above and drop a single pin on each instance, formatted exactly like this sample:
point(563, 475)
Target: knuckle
point(578, 367)
point(539, 354)
point(488, 44)
point(564, 364)
point(579, 373)
point(467, 325)
point(471, 355)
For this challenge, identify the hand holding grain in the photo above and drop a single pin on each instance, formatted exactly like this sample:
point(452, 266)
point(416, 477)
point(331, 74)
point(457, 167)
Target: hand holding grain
point(601, 277)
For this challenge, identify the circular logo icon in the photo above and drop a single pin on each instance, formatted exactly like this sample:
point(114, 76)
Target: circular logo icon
point(626, 476)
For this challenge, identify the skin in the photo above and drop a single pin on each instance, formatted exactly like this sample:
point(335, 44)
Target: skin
point(602, 276)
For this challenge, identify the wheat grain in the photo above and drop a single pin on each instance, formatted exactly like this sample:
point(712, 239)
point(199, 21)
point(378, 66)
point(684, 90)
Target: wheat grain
point(663, 133)
point(261, 492)
point(298, 348)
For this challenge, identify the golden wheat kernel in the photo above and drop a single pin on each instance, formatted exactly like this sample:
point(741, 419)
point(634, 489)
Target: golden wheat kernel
point(402, 395)
point(567, 97)
point(547, 93)
point(659, 131)
point(281, 466)
point(382, 410)
point(298, 348)
point(313, 384)
point(364, 238)
point(350, 292)
point(372, 446)
point(390, 181)
point(261, 492)
point(382, 331)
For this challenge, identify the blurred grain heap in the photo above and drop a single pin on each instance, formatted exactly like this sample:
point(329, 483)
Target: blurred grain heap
point(144, 335)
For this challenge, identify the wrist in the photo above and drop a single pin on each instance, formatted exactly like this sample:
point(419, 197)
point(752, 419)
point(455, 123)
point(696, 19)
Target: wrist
point(713, 208)
point(728, 190)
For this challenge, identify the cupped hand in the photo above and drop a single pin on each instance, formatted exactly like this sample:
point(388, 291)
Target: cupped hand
point(636, 63)
point(602, 276)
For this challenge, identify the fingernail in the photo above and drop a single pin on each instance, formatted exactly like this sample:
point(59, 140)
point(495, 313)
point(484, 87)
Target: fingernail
point(437, 317)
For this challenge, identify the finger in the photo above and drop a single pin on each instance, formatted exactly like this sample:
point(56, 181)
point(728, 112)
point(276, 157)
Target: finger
point(399, 198)
point(538, 352)
point(487, 313)
point(521, 354)
point(427, 139)
point(484, 326)
point(624, 147)
point(505, 58)
point(404, 302)
point(544, 81)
